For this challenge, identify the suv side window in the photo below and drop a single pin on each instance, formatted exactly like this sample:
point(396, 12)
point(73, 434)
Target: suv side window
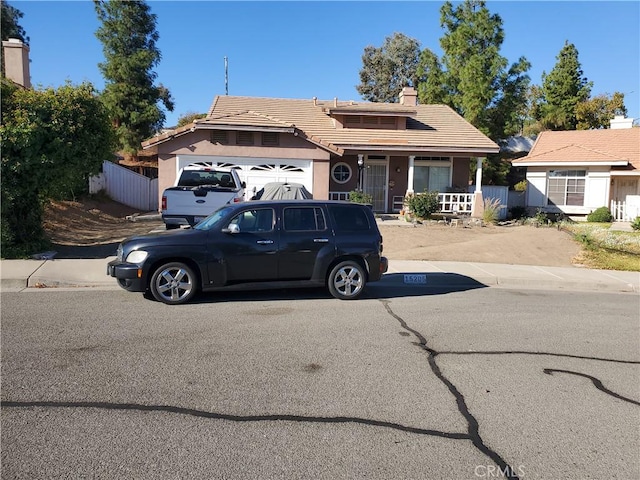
point(256, 220)
point(349, 218)
point(303, 219)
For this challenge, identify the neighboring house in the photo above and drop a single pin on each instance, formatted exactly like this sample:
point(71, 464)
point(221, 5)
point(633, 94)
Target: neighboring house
point(332, 147)
point(575, 172)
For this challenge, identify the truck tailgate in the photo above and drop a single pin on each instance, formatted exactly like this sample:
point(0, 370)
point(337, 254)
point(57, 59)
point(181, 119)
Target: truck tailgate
point(195, 201)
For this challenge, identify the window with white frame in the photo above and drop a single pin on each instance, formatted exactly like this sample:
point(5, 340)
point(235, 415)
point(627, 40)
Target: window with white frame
point(432, 174)
point(341, 172)
point(566, 187)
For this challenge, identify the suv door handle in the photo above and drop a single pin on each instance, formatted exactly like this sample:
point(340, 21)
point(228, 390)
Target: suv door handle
point(264, 242)
point(320, 240)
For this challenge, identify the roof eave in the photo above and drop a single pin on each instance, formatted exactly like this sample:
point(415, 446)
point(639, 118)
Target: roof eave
point(245, 128)
point(371, 112)
point(165, 137)
point(621, 163)
point(421, 148)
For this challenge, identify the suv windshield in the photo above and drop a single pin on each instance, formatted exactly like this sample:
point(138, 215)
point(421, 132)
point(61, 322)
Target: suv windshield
point(211, 221)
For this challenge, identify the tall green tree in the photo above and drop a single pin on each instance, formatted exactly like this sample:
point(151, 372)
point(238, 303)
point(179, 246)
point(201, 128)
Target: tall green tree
point(10, 26)
point(389, 68)
point(597, 112)
point(52, 141)
point(472, 77)
point(563, 89)
point(9, 23)
point(129, 38)
point(187, 118)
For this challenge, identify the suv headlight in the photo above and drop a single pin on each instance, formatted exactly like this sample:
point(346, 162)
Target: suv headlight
point(137, 256)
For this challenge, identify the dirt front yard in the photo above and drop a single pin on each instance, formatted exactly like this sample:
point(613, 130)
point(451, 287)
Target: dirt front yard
point(92, 228)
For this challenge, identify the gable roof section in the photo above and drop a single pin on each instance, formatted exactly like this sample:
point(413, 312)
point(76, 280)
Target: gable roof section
point(618, 148)
point(430, 128)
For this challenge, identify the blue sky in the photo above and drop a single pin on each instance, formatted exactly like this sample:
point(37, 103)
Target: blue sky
point(300, 49)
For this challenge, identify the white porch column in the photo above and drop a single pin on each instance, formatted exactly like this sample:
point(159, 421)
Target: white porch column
point(410, 190)
point(478, 203)
point(478, 174)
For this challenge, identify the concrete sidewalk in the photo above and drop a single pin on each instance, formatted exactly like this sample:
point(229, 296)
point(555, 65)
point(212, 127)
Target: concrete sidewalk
point(16, 275)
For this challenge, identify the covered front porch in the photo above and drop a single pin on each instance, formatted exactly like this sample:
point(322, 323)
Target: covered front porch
point(388, 179)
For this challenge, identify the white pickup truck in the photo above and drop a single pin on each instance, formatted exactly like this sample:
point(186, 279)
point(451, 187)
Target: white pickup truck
point(198, 192)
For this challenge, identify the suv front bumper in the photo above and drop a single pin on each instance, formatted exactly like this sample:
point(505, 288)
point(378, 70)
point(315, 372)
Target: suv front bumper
point(128, 275)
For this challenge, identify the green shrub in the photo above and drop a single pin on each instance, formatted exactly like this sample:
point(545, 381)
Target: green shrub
point(636, 224)
point(520, 186)
point(540, 217)
point(423, 205)
point(360, 197)
point(600, 215)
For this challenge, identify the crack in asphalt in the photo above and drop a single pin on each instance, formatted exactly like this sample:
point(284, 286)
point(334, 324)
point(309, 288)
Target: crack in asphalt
point(233, 418)
point(473, 426)
point(550, 354)
point(596, 382)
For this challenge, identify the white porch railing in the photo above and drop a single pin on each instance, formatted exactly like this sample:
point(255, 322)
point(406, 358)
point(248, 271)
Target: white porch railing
point(617, 210)
point(461, 203)
point(458, 203)
point(624, 211)
point(338, 195)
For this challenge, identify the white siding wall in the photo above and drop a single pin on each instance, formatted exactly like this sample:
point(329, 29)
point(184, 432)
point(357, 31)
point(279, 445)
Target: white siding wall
point(597, 188)
point(536, 189)
point(596, 193)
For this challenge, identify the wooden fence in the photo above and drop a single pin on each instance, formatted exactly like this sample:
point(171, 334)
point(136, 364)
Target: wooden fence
point(126, 187)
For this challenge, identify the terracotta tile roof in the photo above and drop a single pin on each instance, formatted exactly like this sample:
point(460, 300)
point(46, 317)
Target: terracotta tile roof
point(619, 148)
point(430, 128)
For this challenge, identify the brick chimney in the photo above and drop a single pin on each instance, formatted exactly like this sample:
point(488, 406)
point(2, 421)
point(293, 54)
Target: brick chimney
point(409, 97)
point(16, 62)
point(620, 122)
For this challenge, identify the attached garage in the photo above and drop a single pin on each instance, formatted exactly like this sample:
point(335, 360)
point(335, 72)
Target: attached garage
point(256, 172)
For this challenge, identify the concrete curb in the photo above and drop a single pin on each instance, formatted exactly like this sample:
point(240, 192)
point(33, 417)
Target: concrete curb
point(16, 275)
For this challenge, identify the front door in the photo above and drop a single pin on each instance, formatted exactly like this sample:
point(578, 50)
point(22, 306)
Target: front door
point(375, 179)
point(624, 187)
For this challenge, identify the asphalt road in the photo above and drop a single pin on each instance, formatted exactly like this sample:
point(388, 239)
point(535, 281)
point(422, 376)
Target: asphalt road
point(483, 383)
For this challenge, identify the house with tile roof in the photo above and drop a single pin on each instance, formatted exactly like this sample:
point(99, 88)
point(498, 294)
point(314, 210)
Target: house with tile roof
point(575, 172)
point(333, 147)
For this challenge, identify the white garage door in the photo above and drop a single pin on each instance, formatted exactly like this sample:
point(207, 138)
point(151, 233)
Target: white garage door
point(256, 172)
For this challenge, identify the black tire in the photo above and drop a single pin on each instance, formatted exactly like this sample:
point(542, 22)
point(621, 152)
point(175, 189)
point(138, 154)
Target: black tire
point(347, 280)
point(171, 226)
point(173, 283)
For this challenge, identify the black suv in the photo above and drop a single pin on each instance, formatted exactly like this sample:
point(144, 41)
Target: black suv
point(251, 246)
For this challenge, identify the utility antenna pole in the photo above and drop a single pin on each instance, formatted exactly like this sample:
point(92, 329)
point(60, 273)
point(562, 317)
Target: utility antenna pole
point(226, 76)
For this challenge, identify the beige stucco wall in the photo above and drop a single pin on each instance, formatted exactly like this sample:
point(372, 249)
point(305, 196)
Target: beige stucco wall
point(198, 143)
point(292, 147)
